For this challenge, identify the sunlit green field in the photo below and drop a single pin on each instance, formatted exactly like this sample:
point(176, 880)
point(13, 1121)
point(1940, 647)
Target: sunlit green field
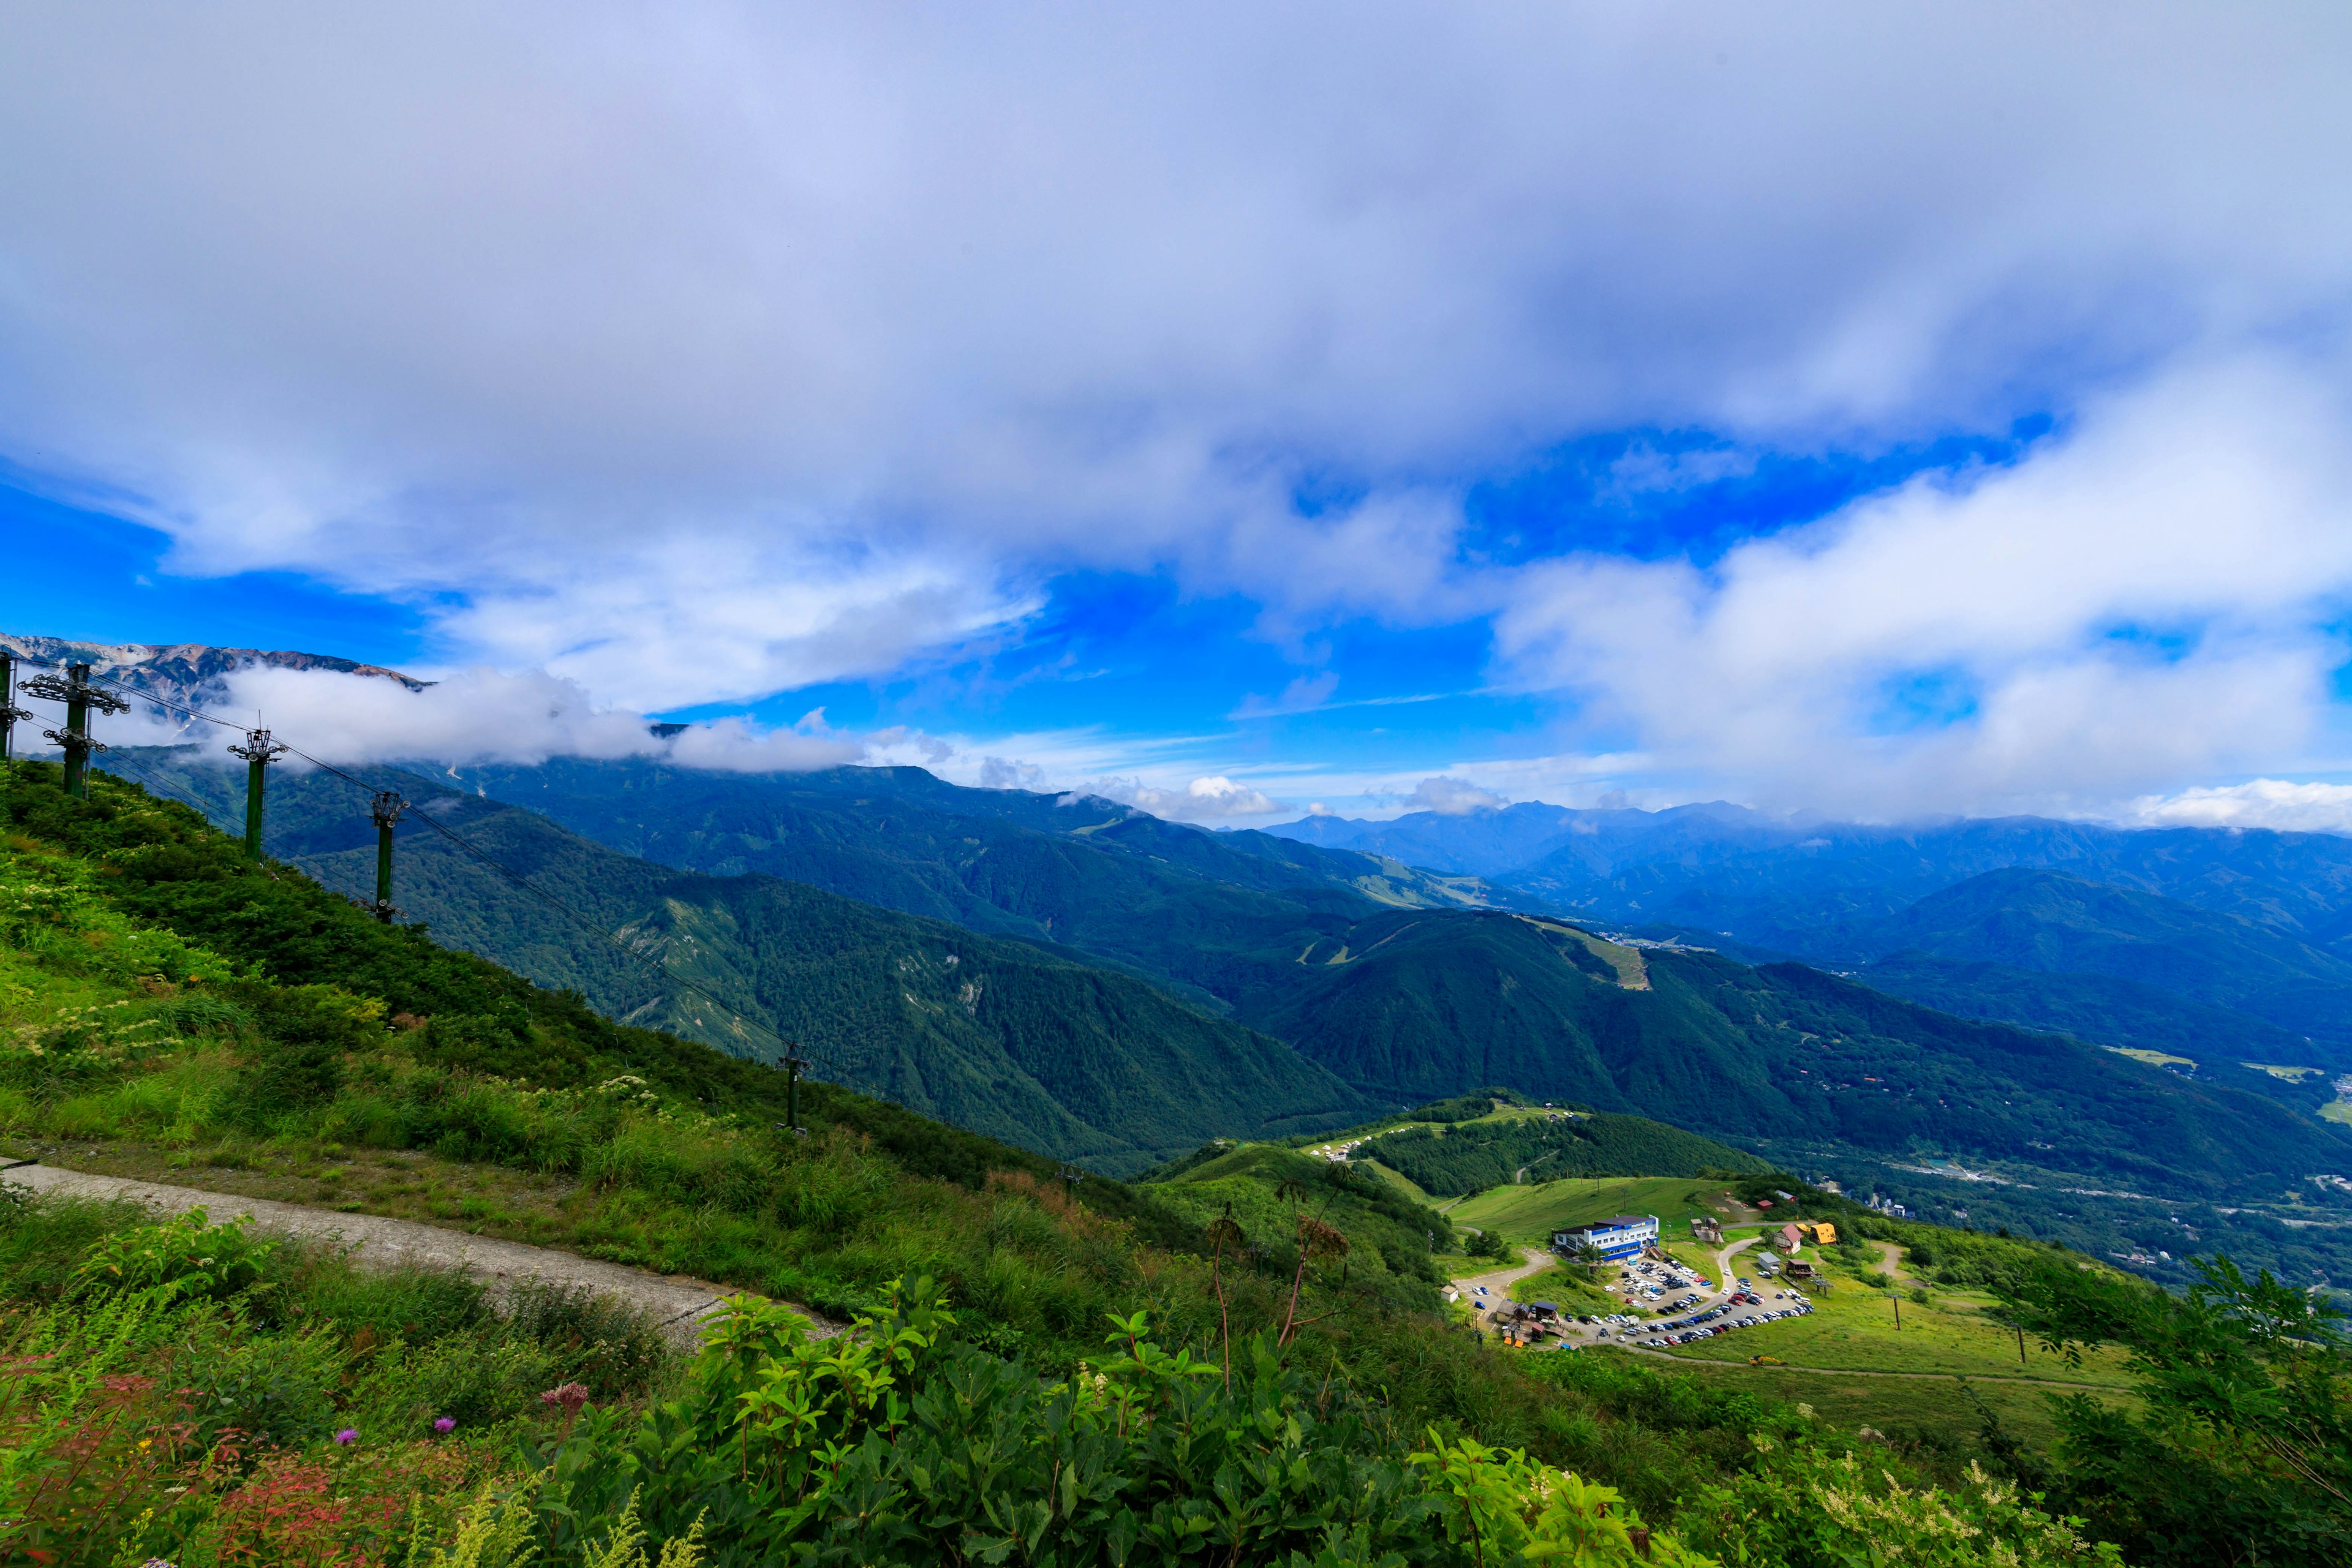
point(1903, 1406)
point(1533, 1212)
point(1853, 1328)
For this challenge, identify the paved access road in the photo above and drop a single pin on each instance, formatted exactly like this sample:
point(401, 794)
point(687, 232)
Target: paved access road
point(680, 1305)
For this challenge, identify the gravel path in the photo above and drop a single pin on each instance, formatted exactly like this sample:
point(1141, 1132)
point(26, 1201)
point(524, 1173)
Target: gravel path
point(1500, 1280)
point(679, 1304)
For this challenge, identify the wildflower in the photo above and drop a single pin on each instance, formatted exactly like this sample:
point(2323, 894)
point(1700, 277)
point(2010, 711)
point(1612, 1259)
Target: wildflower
point(445, 1425)
point(571, 1397)
point(348, 1436)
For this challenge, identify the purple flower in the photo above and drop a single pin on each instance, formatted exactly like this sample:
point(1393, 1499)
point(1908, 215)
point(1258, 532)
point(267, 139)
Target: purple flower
point(569, 1397)
point(445, 1425)
point(348, 1436)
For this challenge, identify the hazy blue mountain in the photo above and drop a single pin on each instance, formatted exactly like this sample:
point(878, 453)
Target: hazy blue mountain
point(1482, 843)
point(2047, 921)
point(2251, 922)
point(2108, 1012)
point(1781, 884)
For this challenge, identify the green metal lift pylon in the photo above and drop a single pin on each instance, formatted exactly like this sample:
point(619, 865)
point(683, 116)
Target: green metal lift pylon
point(387, 810)
point(258, 752)
point(79, 697)
point(9, 711)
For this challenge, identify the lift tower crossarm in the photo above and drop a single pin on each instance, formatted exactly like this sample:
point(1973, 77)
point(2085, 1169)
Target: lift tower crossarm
point(79, 697)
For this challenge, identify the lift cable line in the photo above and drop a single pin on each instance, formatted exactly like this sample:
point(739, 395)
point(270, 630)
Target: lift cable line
point(90, 684)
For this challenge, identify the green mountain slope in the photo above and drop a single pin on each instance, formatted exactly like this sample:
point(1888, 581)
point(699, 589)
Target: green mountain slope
point(1401, 1006)
point(1070, 869)
point(2126, 1014)
point(1784, 1051)
point(2045, 920)
point(1010, 1038)
point(1453, 1161)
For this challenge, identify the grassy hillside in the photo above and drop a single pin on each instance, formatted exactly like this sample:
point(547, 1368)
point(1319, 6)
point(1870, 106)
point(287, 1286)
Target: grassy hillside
point(1530, 1213)
point(176, 1012)
point(1022, 1042)
point(1265, 1190)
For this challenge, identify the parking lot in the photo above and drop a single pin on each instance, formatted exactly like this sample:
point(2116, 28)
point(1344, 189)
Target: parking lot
point(1682, 1305)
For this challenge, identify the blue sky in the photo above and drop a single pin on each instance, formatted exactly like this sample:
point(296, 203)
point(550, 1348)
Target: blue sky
point(1543, 403)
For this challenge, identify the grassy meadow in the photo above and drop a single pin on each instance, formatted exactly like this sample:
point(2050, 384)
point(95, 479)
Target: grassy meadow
point(1531, 1213)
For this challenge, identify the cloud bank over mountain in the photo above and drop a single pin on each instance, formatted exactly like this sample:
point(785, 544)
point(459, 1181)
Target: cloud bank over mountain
point(696, 355)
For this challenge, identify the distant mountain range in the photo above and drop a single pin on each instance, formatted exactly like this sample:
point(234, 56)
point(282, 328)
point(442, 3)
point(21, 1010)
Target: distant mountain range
point(1144, 986)
point(2238, 941)
point(185, 672)
point(1077, 976)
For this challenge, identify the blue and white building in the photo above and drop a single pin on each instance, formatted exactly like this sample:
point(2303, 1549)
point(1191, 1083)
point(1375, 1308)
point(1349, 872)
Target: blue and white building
point(1623, 1235)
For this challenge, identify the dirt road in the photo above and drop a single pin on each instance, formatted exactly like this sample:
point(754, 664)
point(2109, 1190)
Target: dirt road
point(1498, 1282)
point(680, 1305)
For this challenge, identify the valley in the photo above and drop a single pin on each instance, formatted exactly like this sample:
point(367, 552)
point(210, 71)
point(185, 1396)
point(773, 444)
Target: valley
point(1200, 984)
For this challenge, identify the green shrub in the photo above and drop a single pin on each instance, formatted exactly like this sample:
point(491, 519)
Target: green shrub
point(278, 1389)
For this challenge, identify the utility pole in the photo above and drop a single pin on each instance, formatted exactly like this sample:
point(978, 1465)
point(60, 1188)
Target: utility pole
point(386, 810)
point(9, 711)
point(79, 697)
point(258, 752)
point(794, 1063)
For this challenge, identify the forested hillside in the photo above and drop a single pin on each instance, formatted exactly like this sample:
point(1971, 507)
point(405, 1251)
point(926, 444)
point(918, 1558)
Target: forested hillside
point(1399, 1005)
point(1452, 1161)
point(2255, 924)
point(1006, 1038)
point(1714, 1046)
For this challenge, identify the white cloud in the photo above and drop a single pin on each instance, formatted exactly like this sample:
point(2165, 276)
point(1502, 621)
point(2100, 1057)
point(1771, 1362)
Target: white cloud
point(1450, 798)
point(696, 352)
point(1303, 695)
point(2288, 806)
point(1210, 799)
point(2143, 600)
point(471, 716)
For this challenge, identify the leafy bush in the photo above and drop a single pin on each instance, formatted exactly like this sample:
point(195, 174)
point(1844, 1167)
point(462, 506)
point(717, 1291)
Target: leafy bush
point(902, 1443)
point(1814, 1507)
point(277, 1390)
point(186, 1257)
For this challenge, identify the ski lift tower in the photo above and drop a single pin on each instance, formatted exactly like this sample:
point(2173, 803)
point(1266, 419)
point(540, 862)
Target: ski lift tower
point(258, 752)
point(79, 697)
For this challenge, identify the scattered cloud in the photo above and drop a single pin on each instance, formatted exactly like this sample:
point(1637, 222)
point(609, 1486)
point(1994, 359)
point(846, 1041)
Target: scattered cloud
point(1212, 799)
point(474, 715)
point(2152, 596)
point(1450, 798)
point(1303, 695)
point(2278, 804)
point(696, 352)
